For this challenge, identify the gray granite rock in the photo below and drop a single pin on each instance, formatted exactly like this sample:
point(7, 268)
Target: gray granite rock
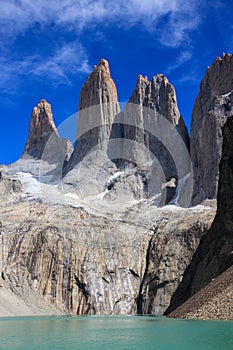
point(98, 105)
point(214, 104)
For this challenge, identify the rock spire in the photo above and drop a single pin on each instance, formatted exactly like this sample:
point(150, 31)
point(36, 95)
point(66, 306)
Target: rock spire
point(44, 147)
point(98, 104)
point(214, 104)
point(97, 108)
point(41, 128)
point(152, 120)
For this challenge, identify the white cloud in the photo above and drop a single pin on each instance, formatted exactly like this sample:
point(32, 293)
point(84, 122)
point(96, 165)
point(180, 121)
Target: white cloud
point(183, 57)
point(17, 16)
point(57, 68)
point(169, 20)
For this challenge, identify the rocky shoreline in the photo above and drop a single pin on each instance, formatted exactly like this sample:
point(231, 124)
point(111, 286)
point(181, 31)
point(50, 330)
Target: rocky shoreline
point(213, 302)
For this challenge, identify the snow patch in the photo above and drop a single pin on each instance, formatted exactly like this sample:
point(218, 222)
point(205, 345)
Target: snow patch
point(228, 94)
point(113, 178)
point(181, 184)
point(103, 194)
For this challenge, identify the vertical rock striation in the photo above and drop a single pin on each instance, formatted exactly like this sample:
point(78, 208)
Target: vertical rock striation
point(85, 264)
point(212, 107)
point(159, 96)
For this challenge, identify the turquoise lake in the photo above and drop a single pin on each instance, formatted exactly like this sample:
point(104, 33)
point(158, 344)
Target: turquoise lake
point(123, 332)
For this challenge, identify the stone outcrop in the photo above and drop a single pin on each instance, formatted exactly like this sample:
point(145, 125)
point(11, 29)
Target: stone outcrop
point(212, 107)
point(214, 254)
point(9, 188)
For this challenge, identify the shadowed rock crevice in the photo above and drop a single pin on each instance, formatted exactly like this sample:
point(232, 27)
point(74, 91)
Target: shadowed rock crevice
point(143, 282)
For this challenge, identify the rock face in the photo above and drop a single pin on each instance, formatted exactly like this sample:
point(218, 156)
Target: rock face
point(159, 140)
point(154, 139)
point(98, 106)
point(170, 248)
point(214, 254)
point(212, 107)
point(158, 95)
point(97, 264)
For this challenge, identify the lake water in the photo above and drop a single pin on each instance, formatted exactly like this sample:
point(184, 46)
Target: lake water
point(110, 333)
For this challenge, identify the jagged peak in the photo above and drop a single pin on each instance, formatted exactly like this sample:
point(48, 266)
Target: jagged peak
point(101, 70)
point(103, 64)
point(99, 87)
point(219, 76)
point(223, 57)
point(42, 112)
point(159, 78)
point(142, 78)
point(226, 57)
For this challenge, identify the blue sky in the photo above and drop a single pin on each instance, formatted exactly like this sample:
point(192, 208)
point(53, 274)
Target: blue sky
point(48, 47)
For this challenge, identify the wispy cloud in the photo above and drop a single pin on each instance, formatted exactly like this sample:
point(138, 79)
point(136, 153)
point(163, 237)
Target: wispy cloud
point(181, 17)
point(169, 21)
point(183, 57)
point(57, 68)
